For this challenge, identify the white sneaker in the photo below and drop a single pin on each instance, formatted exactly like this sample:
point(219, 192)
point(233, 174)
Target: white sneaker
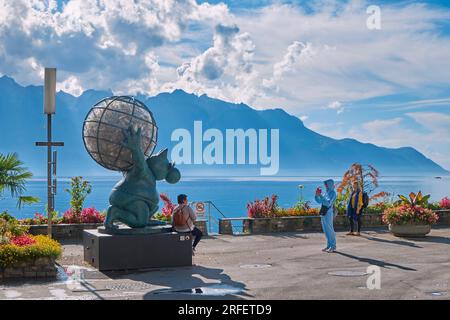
point(331, 250)
point(325, 249)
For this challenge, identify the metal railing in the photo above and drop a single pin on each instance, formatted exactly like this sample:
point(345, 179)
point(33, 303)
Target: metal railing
point(207, 209)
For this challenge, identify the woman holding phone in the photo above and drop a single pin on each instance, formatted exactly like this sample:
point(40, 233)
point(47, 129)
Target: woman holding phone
point(327, 200)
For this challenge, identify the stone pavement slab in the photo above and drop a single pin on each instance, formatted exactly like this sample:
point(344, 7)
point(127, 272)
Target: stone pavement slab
point(274, 266)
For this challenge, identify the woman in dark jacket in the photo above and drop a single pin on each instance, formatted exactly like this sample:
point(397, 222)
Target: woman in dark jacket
point(354, 209)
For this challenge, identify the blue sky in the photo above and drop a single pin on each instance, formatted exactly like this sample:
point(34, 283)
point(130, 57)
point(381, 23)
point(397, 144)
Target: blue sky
point(315, 59)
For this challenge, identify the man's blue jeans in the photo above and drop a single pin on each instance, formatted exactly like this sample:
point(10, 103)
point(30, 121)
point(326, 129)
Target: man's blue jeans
point(328, 229)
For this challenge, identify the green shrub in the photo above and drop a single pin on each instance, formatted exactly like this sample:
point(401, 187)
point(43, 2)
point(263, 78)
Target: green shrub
point(79, 190)
point(433, 206)
point(161, 217)
point(40, 219)
point(6, 216)
point(378, 208)
point(44, 247)
point(9, 229)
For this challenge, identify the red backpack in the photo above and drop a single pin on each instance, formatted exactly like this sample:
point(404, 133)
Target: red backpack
point(178, 219)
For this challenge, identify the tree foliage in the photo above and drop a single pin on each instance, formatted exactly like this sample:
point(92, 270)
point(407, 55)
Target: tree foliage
point(367, 178)
point(13, 178)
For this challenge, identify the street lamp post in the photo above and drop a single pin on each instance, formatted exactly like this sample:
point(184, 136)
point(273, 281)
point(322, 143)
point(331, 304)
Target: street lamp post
point(50, 109)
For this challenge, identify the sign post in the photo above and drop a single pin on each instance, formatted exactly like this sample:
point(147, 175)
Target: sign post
point(200, 208)
point(49, 109)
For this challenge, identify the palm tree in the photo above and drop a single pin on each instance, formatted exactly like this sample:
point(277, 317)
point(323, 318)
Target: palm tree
point(13, 177)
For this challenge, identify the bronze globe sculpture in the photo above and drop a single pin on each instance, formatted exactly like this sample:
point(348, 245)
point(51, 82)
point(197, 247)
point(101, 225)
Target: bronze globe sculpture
point(120, 134)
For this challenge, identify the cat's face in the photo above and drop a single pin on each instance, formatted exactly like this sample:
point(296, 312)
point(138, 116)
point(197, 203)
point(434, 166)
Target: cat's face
point(173, 176)
point(162, 168)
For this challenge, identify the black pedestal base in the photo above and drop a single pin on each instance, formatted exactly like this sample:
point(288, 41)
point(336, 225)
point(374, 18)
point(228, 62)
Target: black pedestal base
point(108, 252)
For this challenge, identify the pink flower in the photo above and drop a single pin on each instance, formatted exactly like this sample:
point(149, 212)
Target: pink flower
point(405, 214)
point(168, 205)
point(445, 203)
point(87, 215)
point(264, 208)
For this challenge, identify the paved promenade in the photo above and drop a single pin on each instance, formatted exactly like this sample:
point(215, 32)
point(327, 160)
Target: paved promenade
point(276, 266)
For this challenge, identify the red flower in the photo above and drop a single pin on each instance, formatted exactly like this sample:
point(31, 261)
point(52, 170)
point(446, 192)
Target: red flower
point(263, 209)
point(21, 241)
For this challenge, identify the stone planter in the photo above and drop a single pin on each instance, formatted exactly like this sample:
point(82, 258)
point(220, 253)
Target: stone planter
point(39, 268)
point(75, 231)
point(444, 216)
point(291, 224)
point(308, 223)
point(202, 225)
point(410, 230)
point(64, 231)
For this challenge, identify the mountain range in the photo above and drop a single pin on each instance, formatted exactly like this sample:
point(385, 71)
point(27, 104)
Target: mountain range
point(302, 151)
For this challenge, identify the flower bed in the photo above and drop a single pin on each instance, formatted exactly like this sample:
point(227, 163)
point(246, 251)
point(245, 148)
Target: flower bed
point(406, 214)
point(21, 251)
point(296, 212)
point(268, 208)
point(265, 216)
point(25, 255)
point(410, 216)
point(444, 203)
point(87, 216)
point(166, 214)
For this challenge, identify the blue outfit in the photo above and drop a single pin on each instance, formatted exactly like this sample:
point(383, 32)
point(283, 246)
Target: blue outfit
point(328, 200)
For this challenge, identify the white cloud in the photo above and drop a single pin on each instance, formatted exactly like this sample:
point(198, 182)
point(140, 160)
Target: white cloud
point(377, 127)
point(70, 85)
point(436, 144)
point(230, 53)
point(296, 54)
point(350, 62)
point(275, 56)
point(224, 70)
point(336, 105)
point(104, 44)
point(428, 132)
point(384, 132)
point(434, 121)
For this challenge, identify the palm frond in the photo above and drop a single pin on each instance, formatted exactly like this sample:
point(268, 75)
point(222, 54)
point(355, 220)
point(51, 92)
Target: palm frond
point(27, 200)
point(10, 162)
point(13, 175)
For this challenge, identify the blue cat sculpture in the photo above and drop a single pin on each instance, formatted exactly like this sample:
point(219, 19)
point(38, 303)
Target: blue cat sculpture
point(134, 199)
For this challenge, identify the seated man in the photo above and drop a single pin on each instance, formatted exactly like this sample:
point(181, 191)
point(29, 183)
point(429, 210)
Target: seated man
point(183, 220)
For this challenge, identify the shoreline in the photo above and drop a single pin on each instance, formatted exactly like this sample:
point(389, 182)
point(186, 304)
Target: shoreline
point(251, 178)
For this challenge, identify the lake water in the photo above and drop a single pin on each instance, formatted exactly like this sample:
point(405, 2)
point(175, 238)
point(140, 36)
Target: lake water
point(230, 195)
